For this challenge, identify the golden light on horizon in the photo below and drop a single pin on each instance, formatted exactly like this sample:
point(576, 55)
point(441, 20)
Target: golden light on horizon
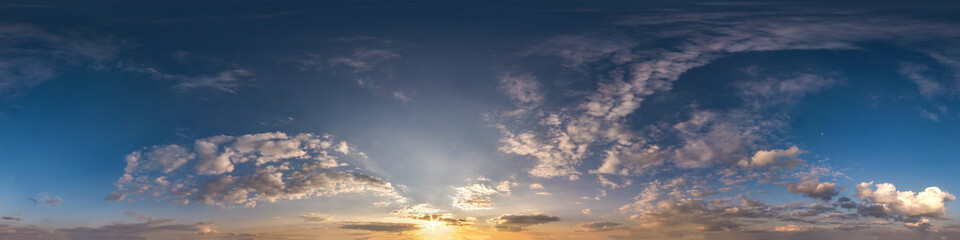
point(436, 229)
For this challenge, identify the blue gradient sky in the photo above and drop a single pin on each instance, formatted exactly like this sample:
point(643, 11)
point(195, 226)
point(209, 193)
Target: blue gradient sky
point(457, 110)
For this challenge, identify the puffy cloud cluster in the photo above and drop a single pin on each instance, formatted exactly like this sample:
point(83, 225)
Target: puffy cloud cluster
point(766, 157)
point(479, 195)
point(929, 203)
point(626, 72)
point(812, 187)
point(227, 171)
point(517, 221)
point(556, 155)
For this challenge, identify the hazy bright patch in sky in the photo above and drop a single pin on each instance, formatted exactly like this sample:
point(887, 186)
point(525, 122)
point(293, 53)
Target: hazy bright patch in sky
point(479, 120)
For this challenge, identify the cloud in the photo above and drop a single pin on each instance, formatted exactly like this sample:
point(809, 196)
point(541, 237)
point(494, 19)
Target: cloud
point(626, 71)
point(773, 92)
point(600, 226)
point(314, 217)
point(811, 187)
point(929, 203)
point(225, 81)
point(522, 88)
point(791, 228)
point(920, 75)
point(43, 200)
point(248, 169)
point(425, 212)
point(9, 218)
point(711, 137)
point(611, 184)
point(578, 50)
point(556, 157)
point(380, 226)
point(132, 230)
point(766, 157)
point(479, 195)
point(167, 158)
point(25, 233)
point(363, 59)
point(31, 54)
point(929, 115)
point(515, 222)
point(536, 186)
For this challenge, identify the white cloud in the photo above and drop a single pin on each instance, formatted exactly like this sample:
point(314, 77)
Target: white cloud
point(479, 195)
point(167, 158)
point(929, 203)
point(247, 170)
point(766, 157)
point(536, 186)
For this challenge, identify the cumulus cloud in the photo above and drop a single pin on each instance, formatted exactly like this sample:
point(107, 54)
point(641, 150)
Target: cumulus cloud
point(167, 158)
point(479, 195)
point(766, 157)
point(518, 221)
point(711, 138)
point(380, 226)
point(811, 187)
point(244, 170)
point(929, 203)
point(630, 71)
point(536, 186)
point(556, 155)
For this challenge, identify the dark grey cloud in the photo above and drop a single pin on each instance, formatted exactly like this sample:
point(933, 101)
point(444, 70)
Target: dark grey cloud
point(811, 187)
point(314, 217)
point(518, 221)
point(380, 226)
point(600, 226)
point(10, 218)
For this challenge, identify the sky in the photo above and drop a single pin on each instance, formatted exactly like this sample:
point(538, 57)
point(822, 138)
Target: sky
point(479, 120)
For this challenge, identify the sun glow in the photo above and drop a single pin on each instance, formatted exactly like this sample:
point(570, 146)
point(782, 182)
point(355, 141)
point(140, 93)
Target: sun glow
point(434, 229)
